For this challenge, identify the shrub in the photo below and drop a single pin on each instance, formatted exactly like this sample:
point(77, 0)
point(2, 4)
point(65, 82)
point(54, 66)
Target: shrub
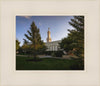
point(59, 53)
point(53, 54)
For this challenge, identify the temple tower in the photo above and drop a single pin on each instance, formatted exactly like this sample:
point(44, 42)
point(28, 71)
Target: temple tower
point(48, 36)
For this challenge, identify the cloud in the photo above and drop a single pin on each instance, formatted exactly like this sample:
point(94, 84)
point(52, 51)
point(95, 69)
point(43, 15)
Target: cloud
point(27, 17)
point(40, 24)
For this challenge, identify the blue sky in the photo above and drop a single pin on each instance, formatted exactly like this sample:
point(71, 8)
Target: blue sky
point(58, 26)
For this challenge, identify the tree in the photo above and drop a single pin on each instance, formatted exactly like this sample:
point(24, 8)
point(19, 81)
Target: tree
point(36, 45)
point(66, 44)
point(17, 44)
point(75, 39)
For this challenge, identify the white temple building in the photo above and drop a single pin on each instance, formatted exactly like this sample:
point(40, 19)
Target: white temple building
point(52, 45)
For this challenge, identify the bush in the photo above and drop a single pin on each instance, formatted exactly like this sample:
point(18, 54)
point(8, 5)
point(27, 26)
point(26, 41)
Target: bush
point(48, 52)
point(59, 53)
point(55, 53)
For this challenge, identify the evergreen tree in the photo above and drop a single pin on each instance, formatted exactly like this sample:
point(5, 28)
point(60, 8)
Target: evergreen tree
point(75, 39)
point(78, 35)
point(33, 37)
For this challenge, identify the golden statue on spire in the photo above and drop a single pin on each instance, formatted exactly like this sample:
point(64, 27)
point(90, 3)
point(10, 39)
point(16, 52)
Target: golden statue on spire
point(48, 29)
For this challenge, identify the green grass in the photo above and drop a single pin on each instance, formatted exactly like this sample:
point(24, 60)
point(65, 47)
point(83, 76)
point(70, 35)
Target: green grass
point(23, 63)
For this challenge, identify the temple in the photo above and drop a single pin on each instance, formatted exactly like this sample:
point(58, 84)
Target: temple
point(52, 45)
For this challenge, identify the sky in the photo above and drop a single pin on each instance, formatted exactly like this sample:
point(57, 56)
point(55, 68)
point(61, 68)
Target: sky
point(58, 25)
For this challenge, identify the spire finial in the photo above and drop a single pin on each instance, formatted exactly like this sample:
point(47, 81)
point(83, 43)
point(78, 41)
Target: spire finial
point(48, 29)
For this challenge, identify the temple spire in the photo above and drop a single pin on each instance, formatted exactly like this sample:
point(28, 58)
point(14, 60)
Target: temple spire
point(48, 29)
point(48, 35)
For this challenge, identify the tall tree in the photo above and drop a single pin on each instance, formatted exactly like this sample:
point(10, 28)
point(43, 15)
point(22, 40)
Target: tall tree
point(75, 39)
point(34, 38)
point(78, 34)
point(17, 44)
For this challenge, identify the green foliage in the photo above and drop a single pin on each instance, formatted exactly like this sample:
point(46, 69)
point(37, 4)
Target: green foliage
point(20, 50)
point(59, 53)
point(33, 43)
point(54, 53)
point(48, 52)
point(75, 39)
point(17, 45)
point(66, 44)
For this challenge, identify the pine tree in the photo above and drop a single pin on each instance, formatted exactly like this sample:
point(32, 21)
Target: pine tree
point(78, 35)
point(75, 39)
point(34, 38)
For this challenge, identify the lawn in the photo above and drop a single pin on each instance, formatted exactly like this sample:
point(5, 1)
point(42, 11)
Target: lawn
point(25, 63)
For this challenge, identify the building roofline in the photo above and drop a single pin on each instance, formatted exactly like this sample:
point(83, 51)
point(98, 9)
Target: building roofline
point(53, 41)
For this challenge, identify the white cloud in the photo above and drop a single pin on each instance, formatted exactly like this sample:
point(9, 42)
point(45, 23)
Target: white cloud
point(27, 17)
point(40, 24)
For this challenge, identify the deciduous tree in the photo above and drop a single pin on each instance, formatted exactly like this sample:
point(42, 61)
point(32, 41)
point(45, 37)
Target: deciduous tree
point(17, 44)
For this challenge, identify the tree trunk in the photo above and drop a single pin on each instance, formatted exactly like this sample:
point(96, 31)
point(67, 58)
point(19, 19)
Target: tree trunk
point(35, 53)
